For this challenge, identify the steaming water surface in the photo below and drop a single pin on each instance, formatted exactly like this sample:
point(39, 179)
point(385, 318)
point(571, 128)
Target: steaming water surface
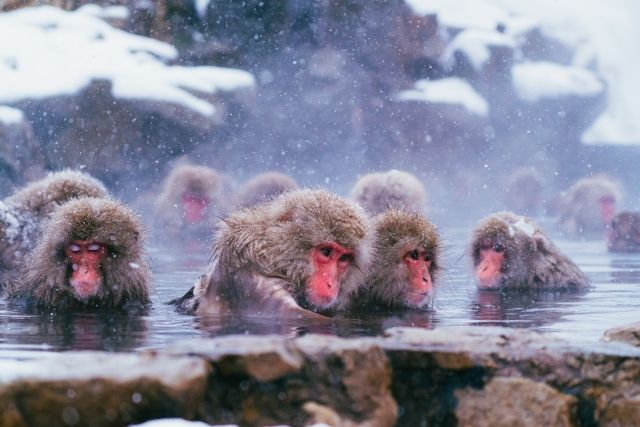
point(578, 318)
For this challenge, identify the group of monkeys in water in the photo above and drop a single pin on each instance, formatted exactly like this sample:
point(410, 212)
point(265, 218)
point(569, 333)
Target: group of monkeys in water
point(283, 251)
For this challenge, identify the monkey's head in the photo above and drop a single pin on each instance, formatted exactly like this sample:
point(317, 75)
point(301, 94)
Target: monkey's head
point(264, 187)
point(313, 239)
point(90, 254)
point(593, 201)
point(405, 258)
point(43, 196)
point(377, 192)
point(624, 233)
point(503, 248)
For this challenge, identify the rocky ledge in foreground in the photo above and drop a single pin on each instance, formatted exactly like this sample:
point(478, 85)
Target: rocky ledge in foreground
point(473, 376)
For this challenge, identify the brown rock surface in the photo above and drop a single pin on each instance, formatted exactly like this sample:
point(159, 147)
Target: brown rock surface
point(629, 333)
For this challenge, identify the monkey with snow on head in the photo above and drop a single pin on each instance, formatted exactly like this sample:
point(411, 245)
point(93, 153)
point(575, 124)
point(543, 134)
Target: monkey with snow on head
point(191, 199)
point(377, 192)
point(406, 248)
point(22, 214)
point(264, 187)
point(511, 252)
point(89, 255)
point(294, 256)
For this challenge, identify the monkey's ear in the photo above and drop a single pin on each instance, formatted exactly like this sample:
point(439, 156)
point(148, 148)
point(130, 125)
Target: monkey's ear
point(286, 216)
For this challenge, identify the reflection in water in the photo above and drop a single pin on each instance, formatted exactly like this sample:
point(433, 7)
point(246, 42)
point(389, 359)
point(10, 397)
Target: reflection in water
point(578, 317)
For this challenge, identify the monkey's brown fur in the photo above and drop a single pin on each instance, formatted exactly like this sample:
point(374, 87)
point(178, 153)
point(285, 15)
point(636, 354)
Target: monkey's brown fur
point(261, 256)
point(377, 192)
point(624, 233)
point(532, 261)
point(263, 187)
point(22, 213)
point(395, 233)
point(581, 211)
point(183, 178)
point(523, 191)
point(126, 276)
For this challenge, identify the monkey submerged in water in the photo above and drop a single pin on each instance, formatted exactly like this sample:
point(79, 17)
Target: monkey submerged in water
point(301, 253)
point(89, 255)
point(406, 249)
point(394, 189)
point(512, 252)
point(264, 187)
point(22, 214)
point(624, 233)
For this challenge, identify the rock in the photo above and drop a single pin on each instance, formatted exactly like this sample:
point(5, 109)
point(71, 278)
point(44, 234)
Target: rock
point(21, 158)
point(514, 402)
point(629, 333)
point(99, 389)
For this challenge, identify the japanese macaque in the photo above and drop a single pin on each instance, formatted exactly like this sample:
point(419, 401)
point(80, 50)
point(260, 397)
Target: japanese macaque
point(512, 252)
point(377, 192)
point(406, 249)
point(191, 199)
point(590, 205)
point(624, 233)
point(523, 191)
point(22, 213)
point(303, 252)
point(89, 255)
point(263, 187)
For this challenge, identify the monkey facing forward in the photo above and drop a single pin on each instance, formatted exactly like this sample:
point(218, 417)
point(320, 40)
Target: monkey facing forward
point(299, 254)
point(89, 255)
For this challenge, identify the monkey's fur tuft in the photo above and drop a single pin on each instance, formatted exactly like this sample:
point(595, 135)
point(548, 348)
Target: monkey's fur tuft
point(532, 261)
point(377, 192)
point(396, 232)
point(126, 275)
point(264, 187)
point(268, 246)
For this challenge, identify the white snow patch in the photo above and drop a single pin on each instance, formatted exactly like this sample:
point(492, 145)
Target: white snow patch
point(54, 52)
point(534, 81)
point(134, 265)
point(525, 227)
point(176, 422)
point(512, 232)
point(461, 13)
point(447, 91)
point(107, 12)
point(10, 115)
point(201, 7)
point(475, 45)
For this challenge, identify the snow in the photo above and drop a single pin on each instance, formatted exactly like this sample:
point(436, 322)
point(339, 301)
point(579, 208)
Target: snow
point(108, 12)
point(10, 115)
point(476, 44)
point(54, 53)
point(451, 90)
point(175, 422)
point(604, 34)
point(534, 81)
point(525, 227)
point(201, 7)
point(10, 223)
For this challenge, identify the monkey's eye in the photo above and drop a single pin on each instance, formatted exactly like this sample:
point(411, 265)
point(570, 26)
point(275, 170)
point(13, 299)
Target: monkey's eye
point(428, 257)
point(94, 247)
point(74, 248)
point(325, 251)
point(414, 254)
point(499, 247)
point(345, 258)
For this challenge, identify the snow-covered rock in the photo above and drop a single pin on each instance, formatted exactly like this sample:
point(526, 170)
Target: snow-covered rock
point(476, 46)
point(451, 90)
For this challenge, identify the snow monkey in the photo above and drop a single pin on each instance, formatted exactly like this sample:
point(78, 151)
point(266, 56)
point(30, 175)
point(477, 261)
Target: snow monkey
point(523, 191)
point(22, 213)
point(263, 187)
point(510, 251)
point(191, 198)
point(300, 253)
point(89, 255)
point(590, 205)
point(406, 249)
point(624, 232)
point(376, 192)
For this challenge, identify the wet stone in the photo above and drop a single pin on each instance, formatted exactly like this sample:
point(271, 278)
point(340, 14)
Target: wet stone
point(629, 333)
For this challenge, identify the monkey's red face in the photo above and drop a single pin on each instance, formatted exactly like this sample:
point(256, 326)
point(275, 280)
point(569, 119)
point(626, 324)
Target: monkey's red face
point(489, 268)
point(607, 208)
point(418, 261)
point(85, 258)
point(330, 261)
point(194, 206)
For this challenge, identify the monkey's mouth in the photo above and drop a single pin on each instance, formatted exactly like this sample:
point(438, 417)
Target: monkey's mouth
point(321, 301)
point(84, 289)
point(418, 299)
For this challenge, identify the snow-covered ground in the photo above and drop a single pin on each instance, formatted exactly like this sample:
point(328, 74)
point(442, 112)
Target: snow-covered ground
point(53, 52)
point(452, 90)
point(604, 34)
